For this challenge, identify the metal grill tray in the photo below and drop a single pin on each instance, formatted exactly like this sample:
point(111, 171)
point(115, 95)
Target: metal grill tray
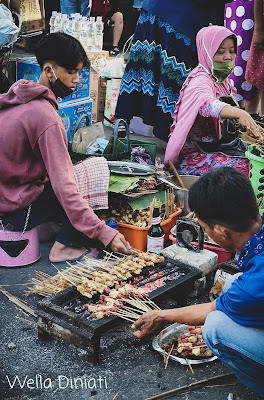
point(130, 168)
point(166, 335)
point(63, 314)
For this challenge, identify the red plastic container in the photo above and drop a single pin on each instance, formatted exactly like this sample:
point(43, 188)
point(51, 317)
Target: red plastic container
point(222, 254)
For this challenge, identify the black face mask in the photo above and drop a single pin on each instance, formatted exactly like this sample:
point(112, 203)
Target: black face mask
point(58, 87)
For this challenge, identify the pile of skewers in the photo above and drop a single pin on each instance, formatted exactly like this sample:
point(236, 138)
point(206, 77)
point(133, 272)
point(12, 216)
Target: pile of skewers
point(166, 209)
point(125, 301)
point(93, 276)
point(259, 144)
point(188, 345)
point(125, 214)
point(252, 140)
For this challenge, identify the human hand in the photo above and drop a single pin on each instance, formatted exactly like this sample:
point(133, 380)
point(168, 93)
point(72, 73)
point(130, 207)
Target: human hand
point(152, 321)
point(246, 121)
point(120, 245)
point(259, 40)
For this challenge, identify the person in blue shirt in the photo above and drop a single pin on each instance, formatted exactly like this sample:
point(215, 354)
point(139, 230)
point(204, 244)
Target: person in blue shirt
point(162, 55)
point(225, 205)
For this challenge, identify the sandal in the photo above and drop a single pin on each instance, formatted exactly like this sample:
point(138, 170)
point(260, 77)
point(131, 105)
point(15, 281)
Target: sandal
point(115, 51)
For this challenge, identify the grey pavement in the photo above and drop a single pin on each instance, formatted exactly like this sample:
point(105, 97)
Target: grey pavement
point(129, 369)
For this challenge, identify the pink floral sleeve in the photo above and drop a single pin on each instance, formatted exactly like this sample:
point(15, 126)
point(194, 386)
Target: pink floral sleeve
point(212, 108)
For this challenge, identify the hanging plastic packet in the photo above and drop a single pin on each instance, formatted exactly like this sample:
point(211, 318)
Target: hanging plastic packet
point(8, 29)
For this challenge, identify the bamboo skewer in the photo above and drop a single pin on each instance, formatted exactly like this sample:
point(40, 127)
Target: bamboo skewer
point(146, 300)
point(15, 284)
point(164, 356)
point(112, 255)
point(177, 176)
point(131, 315)
point(74, 275)
point(151, 207)
point(43, 273)
point(136, 250)
point(138, 302)
point(169, 353)
point(155, 306)
point(189, 365)
point(23, 312)
point(117, 314)
point(27, 320)
point(132, 309)
point(143, 303)
point(18, 302)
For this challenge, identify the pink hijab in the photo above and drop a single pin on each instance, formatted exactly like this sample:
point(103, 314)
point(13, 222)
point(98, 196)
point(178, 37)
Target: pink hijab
point(197, 89)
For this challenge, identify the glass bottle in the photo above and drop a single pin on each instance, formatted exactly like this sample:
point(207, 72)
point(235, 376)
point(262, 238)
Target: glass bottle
point(155, 240)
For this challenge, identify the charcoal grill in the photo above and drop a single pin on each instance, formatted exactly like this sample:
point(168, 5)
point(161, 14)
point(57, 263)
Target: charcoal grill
point(63, 314)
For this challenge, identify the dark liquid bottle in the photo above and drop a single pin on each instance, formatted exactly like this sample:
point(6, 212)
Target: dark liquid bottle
point(155, 242)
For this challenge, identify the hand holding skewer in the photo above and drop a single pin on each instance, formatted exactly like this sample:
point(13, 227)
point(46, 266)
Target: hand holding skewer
point(152, 323)
point(119, 244)
point(246, 121)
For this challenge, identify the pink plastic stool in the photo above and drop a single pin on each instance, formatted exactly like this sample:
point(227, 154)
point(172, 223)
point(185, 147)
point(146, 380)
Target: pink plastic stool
point(17, 253)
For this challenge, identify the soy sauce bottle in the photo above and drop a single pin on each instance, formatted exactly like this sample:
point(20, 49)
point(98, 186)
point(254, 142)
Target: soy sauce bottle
point(155, 241)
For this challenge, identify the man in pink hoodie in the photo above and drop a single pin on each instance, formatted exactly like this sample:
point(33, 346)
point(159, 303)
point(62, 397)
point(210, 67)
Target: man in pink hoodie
point(36, 174)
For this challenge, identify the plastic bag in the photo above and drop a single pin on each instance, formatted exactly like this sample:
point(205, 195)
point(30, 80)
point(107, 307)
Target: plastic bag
point(84, 136)
point(8, 29)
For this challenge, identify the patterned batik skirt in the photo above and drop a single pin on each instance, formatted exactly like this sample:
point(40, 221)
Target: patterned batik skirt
point(193, 161)
point(160, 60)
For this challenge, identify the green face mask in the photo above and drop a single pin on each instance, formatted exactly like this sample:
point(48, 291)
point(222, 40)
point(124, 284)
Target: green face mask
point(221, 71)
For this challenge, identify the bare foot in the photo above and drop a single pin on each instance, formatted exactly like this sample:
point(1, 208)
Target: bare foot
point(60, 252)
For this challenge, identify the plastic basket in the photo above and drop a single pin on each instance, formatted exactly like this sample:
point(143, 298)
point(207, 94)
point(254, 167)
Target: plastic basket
point(256, 170)
point(150, 147)
point(137, 236)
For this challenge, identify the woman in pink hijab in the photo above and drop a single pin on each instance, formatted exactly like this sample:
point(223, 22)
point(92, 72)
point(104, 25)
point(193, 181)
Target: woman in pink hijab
point(196, 144)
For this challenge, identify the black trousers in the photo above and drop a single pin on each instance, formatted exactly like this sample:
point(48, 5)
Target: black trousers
point(46, 208)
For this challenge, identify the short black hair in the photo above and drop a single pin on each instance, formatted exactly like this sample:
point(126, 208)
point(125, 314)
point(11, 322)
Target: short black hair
point(63, 49)
point(224, 197)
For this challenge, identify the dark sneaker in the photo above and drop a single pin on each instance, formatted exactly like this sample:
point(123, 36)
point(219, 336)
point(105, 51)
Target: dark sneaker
point(115, 51)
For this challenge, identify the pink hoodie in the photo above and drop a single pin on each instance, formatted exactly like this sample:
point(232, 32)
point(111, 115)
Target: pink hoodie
point(198, 88)
point(33, 146)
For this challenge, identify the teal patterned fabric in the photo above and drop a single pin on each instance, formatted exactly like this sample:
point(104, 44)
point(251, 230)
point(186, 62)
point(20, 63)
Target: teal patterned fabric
point(160, 60)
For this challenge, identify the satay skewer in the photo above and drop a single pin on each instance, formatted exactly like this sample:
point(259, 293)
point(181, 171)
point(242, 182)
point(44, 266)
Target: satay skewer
point(155, 306)
point(131, 309)
point(151, 306)
point(128, 314)
point(164, 356)
point(143, 306)
point(189, 365)
point(169, 353)
point(121, 316)
point(27, 320)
